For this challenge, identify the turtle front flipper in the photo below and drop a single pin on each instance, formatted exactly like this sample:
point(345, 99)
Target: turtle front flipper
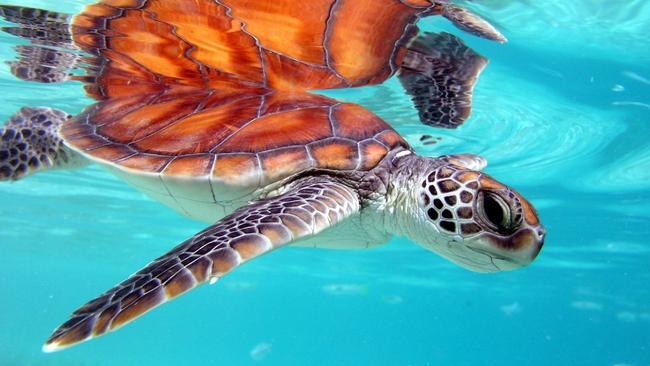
point(469, 22)
point(30, 142)
point(49, 58)
point(309, 206)
point(439, 72)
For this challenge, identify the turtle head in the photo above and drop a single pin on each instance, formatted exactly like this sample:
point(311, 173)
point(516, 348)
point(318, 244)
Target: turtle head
point(472, 219)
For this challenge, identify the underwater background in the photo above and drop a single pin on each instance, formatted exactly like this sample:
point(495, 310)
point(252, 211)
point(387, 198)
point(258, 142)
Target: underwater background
point(562, 113)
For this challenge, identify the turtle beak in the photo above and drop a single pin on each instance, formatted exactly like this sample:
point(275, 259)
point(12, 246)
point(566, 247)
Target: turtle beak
point(528, 243)
point(541, 235)
point(512, 252)
point(530, 237)
point(512, 246)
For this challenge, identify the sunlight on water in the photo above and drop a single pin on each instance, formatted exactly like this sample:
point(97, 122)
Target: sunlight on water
point(562, 113)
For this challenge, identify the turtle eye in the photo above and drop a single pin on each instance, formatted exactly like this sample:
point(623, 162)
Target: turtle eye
point(497, 213)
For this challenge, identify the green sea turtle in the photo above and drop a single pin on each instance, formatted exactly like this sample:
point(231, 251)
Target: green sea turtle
point(204, 106)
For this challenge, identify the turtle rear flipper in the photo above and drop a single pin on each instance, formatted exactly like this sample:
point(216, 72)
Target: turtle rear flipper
point(439, 71)
point(30, 142)
point(49, 59)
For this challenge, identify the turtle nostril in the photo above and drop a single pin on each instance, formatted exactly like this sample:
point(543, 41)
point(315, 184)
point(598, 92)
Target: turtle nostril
point(541, 234)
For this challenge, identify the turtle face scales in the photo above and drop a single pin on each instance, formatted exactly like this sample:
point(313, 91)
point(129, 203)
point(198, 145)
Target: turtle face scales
point(475, 221)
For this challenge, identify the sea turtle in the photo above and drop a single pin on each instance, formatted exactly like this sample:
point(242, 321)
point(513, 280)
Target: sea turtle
point(204, 106)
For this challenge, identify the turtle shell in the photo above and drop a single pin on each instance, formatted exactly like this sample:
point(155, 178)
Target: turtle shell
point(195, 87)
point(200, 103)
point(237, 138)
point(207, 152)
point(281, 44)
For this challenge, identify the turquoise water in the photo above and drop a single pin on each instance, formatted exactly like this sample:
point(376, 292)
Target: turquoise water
point(562, 113)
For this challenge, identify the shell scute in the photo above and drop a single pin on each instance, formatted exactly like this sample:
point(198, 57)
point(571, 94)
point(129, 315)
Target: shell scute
point(365, 36)
point(235, 169)
point(113, 152)
point(282, 163)
point(154, 44)
point(190, 166)
point(371, 154)
point(288, 74)
point(390, 138)
point(217, 40)
point(200, 132)
point(337, 154)
point(148, 119)
point(87, 143)
point(356, 122)
point(298, 27)
point(418, 3)
point(294, 127)
point(146, 162)
point(126, 4)
point(115, 108)
point(285, 101)
point(100, 10)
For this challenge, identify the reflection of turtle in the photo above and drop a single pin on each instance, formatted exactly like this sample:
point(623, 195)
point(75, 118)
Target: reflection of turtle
point(203, 106)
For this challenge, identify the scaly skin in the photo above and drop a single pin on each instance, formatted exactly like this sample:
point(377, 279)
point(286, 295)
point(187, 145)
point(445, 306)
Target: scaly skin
point(30, 142)
point(440, 203)
point(311, 205)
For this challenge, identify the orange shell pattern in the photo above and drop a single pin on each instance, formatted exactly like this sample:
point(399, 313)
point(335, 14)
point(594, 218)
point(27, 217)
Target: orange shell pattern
point(199, 87)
